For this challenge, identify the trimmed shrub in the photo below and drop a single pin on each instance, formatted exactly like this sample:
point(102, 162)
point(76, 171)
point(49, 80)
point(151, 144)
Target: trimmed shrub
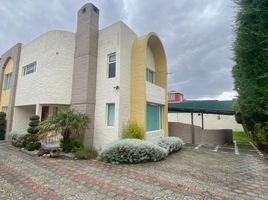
point(73, 145)
point(35, 118)
point(132, 151)
point(171, 144)
point(31, 146)
point(18, 138)
point(3, 123)
point(34, 124)
point(133, 130)
point(83, 154)
point(31, 140)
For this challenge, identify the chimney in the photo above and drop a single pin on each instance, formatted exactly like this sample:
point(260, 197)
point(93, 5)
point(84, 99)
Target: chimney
point(85, 66)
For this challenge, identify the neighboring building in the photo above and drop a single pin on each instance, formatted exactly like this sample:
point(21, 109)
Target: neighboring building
point(210, 114)
point(175, 97)
point(112, 75)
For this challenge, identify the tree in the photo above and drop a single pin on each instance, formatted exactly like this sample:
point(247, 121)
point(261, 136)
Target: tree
point(251, 69)
point(65, 122)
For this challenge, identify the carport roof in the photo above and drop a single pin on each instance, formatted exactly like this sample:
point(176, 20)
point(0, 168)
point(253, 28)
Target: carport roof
point(203, 106)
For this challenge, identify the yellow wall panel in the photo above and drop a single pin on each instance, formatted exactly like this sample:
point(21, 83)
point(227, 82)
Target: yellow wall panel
point(138, 77)
point(5, 94)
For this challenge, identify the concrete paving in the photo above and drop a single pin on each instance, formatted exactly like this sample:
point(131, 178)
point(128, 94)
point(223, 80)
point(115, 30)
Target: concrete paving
point(209, 172)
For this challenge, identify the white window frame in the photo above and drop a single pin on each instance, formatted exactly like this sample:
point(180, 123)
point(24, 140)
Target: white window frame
point(171, 96)
point(7, 81)
point(107, 115)
point(26, 70)
point(160, 107)
point(111, 62)
point(148, 70)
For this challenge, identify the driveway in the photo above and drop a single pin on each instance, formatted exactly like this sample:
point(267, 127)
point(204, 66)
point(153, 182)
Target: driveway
point(206, 172)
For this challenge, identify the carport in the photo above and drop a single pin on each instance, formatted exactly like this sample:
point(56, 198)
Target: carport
point(201, 107)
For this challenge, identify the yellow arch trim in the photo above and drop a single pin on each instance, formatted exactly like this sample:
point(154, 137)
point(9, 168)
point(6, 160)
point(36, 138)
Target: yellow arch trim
point(138, 76)
point(5, 94)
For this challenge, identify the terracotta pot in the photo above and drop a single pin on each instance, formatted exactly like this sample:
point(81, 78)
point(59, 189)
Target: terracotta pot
point(54, 153)
point(41, 152)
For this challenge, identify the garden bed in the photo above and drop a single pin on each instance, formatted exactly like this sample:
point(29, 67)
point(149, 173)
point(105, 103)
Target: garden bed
point(62, 155)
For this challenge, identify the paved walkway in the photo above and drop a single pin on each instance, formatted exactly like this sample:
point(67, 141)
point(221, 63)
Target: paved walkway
point(202, 173)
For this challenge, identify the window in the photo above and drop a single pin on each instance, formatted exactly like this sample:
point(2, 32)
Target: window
point(171, 96)
point(110, 114)
point(7, 81)
point(4, 109)
point(28, 69)
point(154, 117)
point(111, 65)
point(149, 75)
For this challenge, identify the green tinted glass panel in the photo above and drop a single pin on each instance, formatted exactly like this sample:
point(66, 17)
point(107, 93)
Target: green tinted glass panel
point(152, 117)
point(150, 76)
point(110, 114)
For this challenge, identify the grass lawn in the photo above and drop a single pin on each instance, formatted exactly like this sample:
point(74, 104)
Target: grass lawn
point(240, 136)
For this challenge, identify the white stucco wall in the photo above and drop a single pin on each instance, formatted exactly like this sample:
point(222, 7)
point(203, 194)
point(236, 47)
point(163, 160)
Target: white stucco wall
point(21, 117)
point(115, 38)
point(52, 82)
point(155, 94)
point(211, 121)
point(153, 136)
point(150, 59)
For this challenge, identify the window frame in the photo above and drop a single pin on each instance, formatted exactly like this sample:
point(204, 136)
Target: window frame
point(107, 115)
point(171, 96)
point(7, 81)
point(109, 64)
point(160, 116)
point(148, 71)
point(28, 72)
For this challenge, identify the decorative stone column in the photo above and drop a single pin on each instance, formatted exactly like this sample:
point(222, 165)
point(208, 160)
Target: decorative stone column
point(85, 66)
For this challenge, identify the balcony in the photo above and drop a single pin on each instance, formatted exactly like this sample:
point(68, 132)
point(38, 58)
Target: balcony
point(155, 94)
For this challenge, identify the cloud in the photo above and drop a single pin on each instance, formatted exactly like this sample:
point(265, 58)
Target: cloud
point(223, 96)
point(197, 34)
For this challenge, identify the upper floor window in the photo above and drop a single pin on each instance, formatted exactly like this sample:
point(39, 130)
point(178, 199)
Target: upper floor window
point(28, 69)
point(171, 96)
point(150, 76)
point(7, 81)
point(111, 65)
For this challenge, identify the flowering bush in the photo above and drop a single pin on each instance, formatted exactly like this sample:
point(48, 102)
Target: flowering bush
point(18, 138)
point(171, 144)
point(132, 151)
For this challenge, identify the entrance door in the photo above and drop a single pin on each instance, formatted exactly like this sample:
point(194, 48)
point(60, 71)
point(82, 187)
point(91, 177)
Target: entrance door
point(44, 113)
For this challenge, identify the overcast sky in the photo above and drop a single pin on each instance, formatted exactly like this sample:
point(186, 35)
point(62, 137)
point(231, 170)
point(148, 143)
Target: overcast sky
point(197, 34)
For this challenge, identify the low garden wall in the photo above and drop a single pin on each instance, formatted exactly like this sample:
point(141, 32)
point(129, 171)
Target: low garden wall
point(184, 131)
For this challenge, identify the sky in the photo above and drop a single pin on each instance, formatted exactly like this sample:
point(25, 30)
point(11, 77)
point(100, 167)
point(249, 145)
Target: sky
point(197, 34)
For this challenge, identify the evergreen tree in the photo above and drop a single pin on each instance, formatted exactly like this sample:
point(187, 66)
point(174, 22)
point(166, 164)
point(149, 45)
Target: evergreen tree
point(251, 69)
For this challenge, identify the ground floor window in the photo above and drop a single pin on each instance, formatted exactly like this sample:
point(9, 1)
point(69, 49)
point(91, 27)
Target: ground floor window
point(154, 117)
point(110, 114)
